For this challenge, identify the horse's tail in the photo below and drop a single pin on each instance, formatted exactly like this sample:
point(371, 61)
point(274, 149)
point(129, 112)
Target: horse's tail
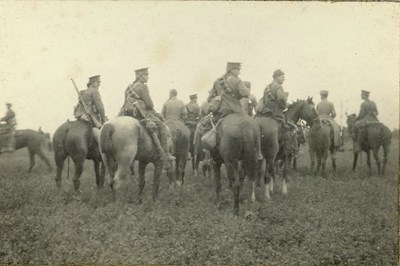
point(105, 138)
point(386, 135)
point(250, 152)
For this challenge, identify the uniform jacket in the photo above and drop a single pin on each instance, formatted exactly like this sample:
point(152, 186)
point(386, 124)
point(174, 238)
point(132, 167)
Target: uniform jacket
point(231, 89)
point(9, 118)
point(274, 100)
point(368, 111)
point(248, 104)
point(174, 109)
point(326, 108)
point(138, 102)
point(93, 102)
point(194, 112)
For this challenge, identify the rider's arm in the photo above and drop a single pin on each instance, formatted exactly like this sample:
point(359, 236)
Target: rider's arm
point(333, 112)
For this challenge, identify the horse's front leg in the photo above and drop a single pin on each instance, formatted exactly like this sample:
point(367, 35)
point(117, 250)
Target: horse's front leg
point(217, 178)
point(286, 167)
point(369, 162)
point(355, 161)
point(233, 174)
point(31, 161)
point(269, 176)
point(333, 154)
point(312, 160)
point(96, 166)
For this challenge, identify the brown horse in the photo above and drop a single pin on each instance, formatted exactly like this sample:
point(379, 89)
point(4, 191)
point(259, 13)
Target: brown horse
point(321, 144)
point(272, 140)
point(237, 138)
point(373, 136)
point(123, 140)
point(35, 142)
point(181, 142)
point(76, 140)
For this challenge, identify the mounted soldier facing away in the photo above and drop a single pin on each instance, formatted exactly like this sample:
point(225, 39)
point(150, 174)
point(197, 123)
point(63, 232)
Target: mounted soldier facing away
point(139, 105)
point(8, 129)
point(326, 110)
point(90, 107)
point(368, 115)
point(248, 103)
point(224, 97)
point(173, 108)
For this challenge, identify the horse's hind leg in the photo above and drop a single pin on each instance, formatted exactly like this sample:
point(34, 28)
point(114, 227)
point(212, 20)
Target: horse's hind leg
point(369, 163)
point(142, 169)
point(45, 160)
point(385, 155)
point(217, 175)
point(79, 162)
point(156, 182)
point(233, 174)
point(355, 161)
point(31, 160)
point(333, 154)
point(96, 165)
point(59, 159)
point(375, 152)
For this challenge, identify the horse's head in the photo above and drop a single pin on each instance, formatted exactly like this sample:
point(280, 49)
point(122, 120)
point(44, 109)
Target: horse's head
point(46, 141)
point(303, 109)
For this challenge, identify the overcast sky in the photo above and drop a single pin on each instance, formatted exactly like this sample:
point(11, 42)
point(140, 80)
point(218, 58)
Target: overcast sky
point(340, 47)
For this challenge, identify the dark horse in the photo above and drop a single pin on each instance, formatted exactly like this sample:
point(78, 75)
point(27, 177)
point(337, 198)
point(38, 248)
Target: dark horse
point(75, 139)
point(181, 142)
point(373, 136)
point(272, 139)
point(123, 140)
point(237, 137)
point(35, 142)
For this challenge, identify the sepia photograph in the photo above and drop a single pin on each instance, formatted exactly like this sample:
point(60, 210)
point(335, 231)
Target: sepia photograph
point(199, 133)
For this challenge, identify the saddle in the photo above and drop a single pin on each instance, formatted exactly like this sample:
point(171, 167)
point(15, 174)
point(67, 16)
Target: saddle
point(209, 139)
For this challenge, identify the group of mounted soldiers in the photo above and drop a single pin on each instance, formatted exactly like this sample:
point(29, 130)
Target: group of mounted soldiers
point(229, 94)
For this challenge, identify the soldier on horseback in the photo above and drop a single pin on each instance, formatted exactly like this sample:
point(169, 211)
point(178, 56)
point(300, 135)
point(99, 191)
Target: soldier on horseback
point(90, 107)
point(194, 112)
point(9, 129)
point(326, 110)
point(224, 97)
point(139, 105)
point(274, 104)
point(368, 115)
point(173, 108)
point(248, 103)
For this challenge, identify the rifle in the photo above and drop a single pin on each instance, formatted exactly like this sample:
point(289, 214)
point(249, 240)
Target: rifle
point(94, 119)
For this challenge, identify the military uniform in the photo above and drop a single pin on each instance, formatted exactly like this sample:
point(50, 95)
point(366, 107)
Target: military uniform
point(368, 115)
point(248, 103)
point(204, 109)
point(193, 114)
point(9, 129)
point(274, 101)
point(174, 109)
point(326, 110)
point(92, 100)
point(139, 105)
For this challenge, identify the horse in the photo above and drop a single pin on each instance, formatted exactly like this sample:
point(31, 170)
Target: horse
point(35, 142)
point(272, 139)
point(301, 139)
point(123, 140)
point(373, 136)
point(76, 140)
point(237, 138)
point(180, 135)
point(321, 144)
point(200, 154)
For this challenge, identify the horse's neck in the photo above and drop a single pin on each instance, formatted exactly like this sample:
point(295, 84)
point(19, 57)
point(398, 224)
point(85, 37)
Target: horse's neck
point(293, 112)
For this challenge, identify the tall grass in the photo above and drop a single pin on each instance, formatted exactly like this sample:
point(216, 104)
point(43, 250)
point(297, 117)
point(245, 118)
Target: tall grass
point(349, 218)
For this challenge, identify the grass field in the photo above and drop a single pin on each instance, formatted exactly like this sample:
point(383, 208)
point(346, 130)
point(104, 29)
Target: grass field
point(349, 218)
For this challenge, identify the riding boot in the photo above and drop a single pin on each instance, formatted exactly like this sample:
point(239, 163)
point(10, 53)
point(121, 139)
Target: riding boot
point(164, 144)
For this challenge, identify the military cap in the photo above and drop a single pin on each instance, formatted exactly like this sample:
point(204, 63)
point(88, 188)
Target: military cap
point(94, 78)
point(247, 84)
point(193, 96)
point(365, 92)
point(9, 104)
point(232, 65)
point(323, 92)
point(142, 71)
point(278, 73)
